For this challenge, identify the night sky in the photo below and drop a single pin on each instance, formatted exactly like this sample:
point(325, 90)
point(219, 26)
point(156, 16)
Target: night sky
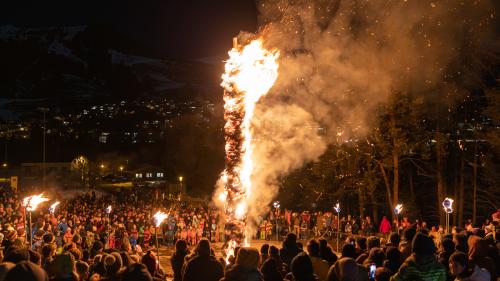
point(162, 28)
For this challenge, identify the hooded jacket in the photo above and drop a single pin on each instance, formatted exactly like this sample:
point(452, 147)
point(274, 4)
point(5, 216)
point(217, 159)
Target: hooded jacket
point(420, 267)
point(478, 254)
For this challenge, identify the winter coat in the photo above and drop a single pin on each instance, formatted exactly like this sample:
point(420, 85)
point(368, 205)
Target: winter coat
point(239, 273)
point(320, 267)
point(177, 262)
point(206, 268)
point(417, 268)
point(479, 274)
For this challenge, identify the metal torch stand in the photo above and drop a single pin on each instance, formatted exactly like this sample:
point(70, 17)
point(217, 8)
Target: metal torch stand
point(277, 230)
point(447, 222)
point(31, 231)
point(157, 244)
point(338, 231)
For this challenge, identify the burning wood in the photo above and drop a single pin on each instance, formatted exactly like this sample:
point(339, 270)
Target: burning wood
point(250, 72)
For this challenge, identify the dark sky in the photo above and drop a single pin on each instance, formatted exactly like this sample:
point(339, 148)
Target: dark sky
point(166, 28)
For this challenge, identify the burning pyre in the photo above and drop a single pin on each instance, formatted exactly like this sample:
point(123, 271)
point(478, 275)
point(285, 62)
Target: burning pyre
point(250, 72)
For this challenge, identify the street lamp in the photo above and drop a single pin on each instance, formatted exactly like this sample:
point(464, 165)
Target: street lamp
point(180, 181)
point(30, 204)
point(337, 209)
point(397, 211)
point(448, 208)
point(276, 206)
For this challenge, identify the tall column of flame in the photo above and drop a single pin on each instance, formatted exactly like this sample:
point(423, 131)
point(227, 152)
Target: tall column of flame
point(250, 72)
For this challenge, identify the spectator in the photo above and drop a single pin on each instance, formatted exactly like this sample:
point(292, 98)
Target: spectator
point(275, 255)
point(26, 271)
point(136, 272)
point(152, 264)
point(344, 269)
point(376, 256)
point(478, 255)
point(289, 249)
point(83, 270)
point(326, 252)
point(385, 225)
point(447, 249)
point(320, 266)
point(460, 241)
point(383, 274)
point(264, 253)
point(271, 270)
point(394, 240)
point(245, 267)
point(422, 264)
point(463, 271)
point(63, 268)
point(113, 265)
point(360, 245)
point(373, 242)
point(203, 266)
point(393, 261)
point(302, 269)
point(177, 260)
point(5, 267)
point(348, 251)
point(405, 246)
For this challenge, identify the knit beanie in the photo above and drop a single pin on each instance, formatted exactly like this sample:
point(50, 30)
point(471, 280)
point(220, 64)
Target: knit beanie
point(302, 268)
point(423, 245)
point(136, 272)
point(248, 258)
point(112, 263)
point(26, 271)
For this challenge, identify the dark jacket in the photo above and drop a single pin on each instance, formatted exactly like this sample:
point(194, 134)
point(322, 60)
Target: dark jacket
point(417, 268)
point(238, 273)
point(288, 252)
point(177, 261)
point(206, 268)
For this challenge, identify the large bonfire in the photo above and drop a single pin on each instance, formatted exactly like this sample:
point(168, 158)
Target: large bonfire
point(250, 72)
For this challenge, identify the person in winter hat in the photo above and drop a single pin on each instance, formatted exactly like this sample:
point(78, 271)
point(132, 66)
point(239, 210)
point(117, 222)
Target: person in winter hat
point(463, 270)
point(422, 263)
point(26, 271)
point(245, 267)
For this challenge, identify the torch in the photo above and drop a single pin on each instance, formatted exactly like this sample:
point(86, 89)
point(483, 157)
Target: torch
point(337, 209)
point(159, 217)
point(397, 211)
point(276, 206)
point(30, 203)
point(52, 208)
point(448, 209)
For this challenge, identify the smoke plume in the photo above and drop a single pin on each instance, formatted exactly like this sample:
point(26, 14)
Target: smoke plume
point(339, 61)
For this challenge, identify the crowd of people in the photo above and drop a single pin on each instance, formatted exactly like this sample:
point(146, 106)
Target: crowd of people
point(83, 241)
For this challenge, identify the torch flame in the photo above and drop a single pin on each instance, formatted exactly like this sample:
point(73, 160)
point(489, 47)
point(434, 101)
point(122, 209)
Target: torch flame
point(159, 217)
point(398, 209)
point(32, 202)
point(250, 72)
point(52, 207)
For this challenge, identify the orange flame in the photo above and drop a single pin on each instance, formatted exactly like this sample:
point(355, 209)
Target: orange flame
point(32, 202)
point(159, 217)
point(53, 207)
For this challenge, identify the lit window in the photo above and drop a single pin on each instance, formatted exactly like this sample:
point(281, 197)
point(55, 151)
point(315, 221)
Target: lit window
point(138, 176)
point(159, 175)
point(149, 175)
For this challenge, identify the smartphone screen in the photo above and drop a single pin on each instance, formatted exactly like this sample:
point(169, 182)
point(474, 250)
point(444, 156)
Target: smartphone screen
point(373, 268)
